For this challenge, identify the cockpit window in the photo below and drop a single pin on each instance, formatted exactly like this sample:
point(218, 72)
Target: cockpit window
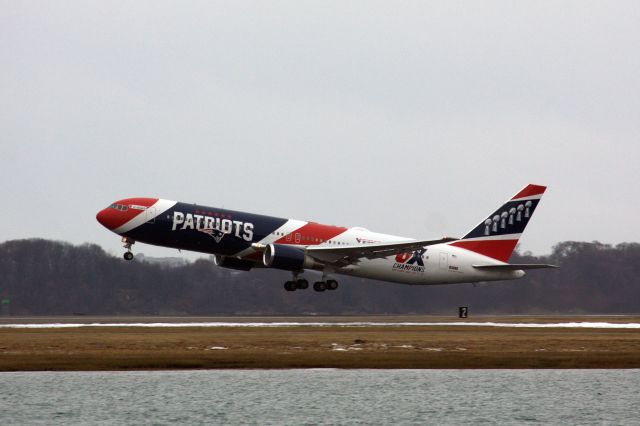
point(120, 207)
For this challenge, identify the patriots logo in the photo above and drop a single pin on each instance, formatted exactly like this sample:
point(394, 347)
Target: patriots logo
point(214, 233)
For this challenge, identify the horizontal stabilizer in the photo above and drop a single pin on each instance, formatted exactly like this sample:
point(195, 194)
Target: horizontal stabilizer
point(513, 267)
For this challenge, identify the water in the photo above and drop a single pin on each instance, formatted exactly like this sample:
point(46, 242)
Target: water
point(300, 397)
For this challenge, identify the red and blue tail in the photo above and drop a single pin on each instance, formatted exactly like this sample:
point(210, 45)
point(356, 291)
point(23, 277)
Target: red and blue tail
point(498, 234)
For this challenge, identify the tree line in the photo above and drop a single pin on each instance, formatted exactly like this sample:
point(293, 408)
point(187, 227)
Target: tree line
point(43, 277)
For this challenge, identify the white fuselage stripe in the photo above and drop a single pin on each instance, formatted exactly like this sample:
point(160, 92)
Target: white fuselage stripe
point(531, 197)
point(287, 228)
point(145, 216)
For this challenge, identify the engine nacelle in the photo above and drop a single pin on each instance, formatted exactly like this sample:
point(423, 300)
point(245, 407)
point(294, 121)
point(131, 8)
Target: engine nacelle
point(285, 257)
point(232, 263)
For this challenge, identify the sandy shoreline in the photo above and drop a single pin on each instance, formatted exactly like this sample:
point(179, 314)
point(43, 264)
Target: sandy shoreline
point(126, 348)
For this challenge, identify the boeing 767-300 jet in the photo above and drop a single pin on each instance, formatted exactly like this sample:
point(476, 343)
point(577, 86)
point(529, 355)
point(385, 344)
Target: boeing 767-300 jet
point(243, 241)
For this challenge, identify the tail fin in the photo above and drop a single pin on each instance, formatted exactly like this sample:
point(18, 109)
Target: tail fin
point(498, 235)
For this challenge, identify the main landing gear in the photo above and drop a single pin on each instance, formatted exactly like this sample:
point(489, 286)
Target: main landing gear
point(302, 284)
point(128, 255)
point(294, 285)
point(325, 285)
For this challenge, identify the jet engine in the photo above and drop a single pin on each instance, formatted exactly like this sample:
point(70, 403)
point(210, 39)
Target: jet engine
point(285, 257)
point(232, 263)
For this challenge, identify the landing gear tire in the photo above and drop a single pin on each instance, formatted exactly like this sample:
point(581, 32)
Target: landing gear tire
point(319, 286)
point(290, 286)
point(302, 284)
point(332, 284)
point(128, 242)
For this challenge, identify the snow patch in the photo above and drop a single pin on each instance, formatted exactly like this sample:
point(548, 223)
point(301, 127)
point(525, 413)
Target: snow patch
point(332, 324)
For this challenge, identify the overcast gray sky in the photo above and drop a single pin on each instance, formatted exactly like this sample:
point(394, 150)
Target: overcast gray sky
point(410, 118)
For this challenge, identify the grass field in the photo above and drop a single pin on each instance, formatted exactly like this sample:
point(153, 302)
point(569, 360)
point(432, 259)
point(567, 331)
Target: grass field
point(124, 348)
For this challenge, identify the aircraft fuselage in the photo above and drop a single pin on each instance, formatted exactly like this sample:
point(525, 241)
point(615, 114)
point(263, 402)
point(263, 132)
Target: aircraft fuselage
point(237, 239)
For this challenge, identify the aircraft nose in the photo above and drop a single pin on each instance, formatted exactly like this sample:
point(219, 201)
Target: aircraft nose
point(108, 218)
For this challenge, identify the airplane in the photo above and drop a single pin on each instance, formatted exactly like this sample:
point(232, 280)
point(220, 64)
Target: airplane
point(243, 241)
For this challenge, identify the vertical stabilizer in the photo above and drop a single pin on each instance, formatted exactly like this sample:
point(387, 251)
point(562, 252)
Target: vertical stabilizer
point(498, 234)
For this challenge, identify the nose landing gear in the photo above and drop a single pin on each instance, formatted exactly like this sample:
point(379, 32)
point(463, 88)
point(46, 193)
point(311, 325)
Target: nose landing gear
point(128, 255)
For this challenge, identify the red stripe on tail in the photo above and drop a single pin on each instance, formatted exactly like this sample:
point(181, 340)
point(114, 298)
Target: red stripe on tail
point(496, 249)
point(529, 191)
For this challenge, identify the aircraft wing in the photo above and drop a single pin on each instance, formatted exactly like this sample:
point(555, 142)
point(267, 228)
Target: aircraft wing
point(343, 256)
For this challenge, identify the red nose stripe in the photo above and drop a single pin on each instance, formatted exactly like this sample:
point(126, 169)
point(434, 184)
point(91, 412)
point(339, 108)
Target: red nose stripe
point(113, 218)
